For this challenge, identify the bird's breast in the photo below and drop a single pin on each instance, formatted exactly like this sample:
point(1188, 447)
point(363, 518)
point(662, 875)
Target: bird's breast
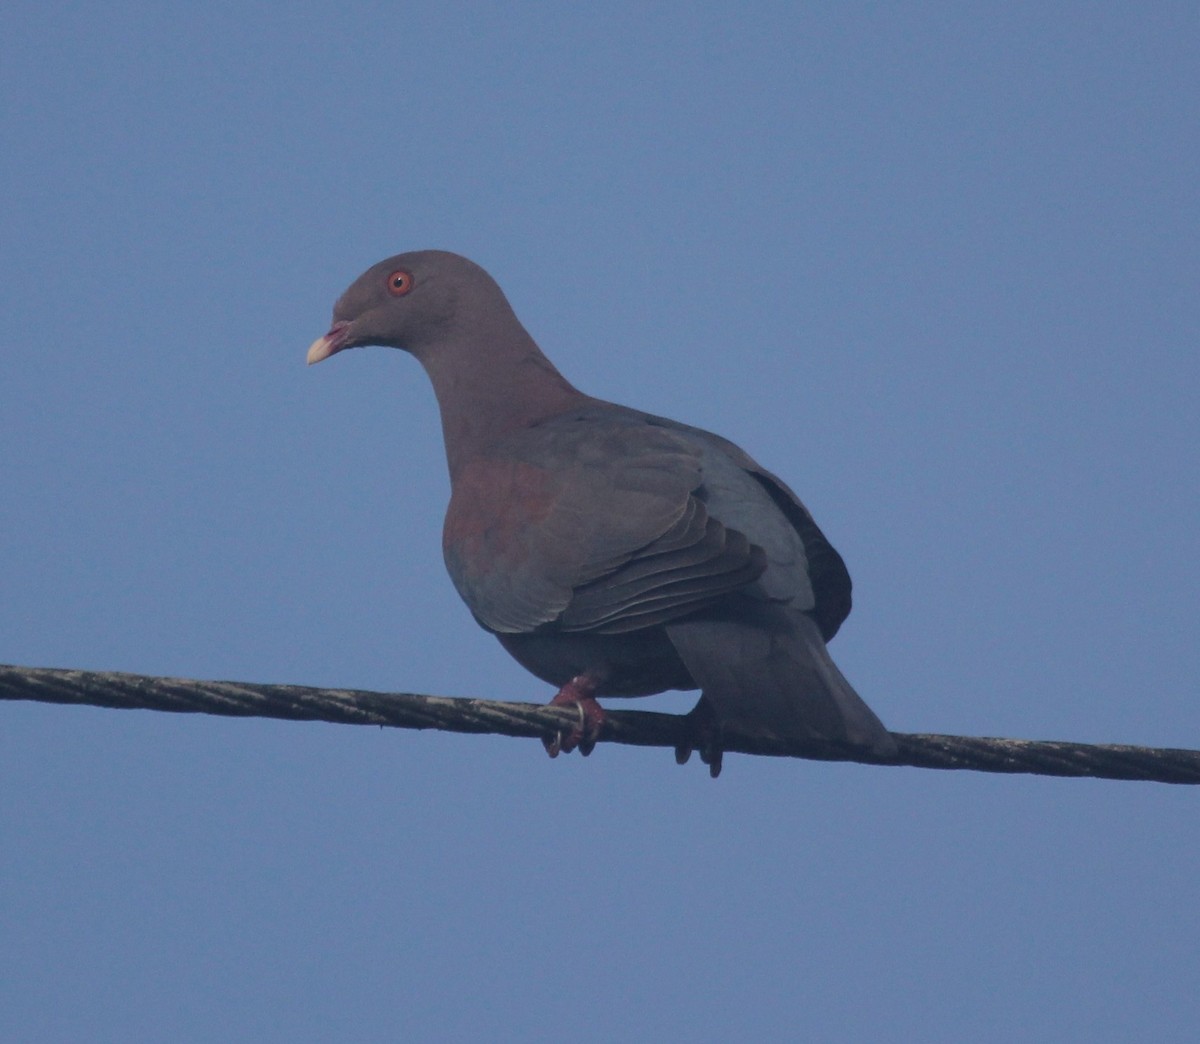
point(492, 504)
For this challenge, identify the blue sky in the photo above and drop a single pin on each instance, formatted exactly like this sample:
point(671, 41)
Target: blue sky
point(936, 266)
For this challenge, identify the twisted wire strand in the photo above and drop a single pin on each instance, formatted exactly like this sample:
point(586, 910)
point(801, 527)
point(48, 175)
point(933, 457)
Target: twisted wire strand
point(637, 728)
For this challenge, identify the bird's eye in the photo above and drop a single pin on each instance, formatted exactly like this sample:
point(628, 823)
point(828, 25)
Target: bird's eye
point(399, 282)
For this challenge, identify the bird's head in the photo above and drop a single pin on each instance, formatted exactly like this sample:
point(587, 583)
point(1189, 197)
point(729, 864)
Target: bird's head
point(411, 301)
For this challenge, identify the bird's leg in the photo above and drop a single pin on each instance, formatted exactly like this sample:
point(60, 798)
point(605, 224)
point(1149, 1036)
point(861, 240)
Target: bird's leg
point(580, 691)
point(706, 738)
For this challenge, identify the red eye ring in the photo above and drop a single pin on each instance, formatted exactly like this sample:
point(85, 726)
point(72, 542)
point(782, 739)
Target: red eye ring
point(399, 283)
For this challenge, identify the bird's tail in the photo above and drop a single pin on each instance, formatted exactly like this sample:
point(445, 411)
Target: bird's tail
point(766, 669)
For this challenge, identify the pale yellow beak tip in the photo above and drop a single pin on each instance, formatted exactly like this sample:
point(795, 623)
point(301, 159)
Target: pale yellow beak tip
point(319, 349)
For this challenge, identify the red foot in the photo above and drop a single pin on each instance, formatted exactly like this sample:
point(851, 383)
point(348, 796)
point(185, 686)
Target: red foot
point(579, 692)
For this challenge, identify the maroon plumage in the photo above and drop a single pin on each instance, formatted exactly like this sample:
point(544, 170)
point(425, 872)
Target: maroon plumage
point(613, 553)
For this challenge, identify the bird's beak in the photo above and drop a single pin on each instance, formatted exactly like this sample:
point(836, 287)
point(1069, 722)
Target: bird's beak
point(334, 341)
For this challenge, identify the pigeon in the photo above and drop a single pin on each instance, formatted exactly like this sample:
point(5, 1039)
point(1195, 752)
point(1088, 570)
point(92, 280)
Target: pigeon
point(613, 552)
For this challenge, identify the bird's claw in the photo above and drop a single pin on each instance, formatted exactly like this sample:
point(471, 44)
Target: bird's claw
point(586, 744)
point(705, 739)
point(578, 694)
point(712, 755)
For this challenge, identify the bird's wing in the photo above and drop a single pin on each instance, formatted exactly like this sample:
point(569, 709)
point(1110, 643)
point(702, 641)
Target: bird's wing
point(595, 521)
point(825, 574)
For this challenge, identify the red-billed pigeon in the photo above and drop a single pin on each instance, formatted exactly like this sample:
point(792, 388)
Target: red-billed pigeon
point(612, 552)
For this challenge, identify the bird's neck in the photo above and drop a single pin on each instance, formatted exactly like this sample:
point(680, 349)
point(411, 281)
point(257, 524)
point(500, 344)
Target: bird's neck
point(517, 388)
